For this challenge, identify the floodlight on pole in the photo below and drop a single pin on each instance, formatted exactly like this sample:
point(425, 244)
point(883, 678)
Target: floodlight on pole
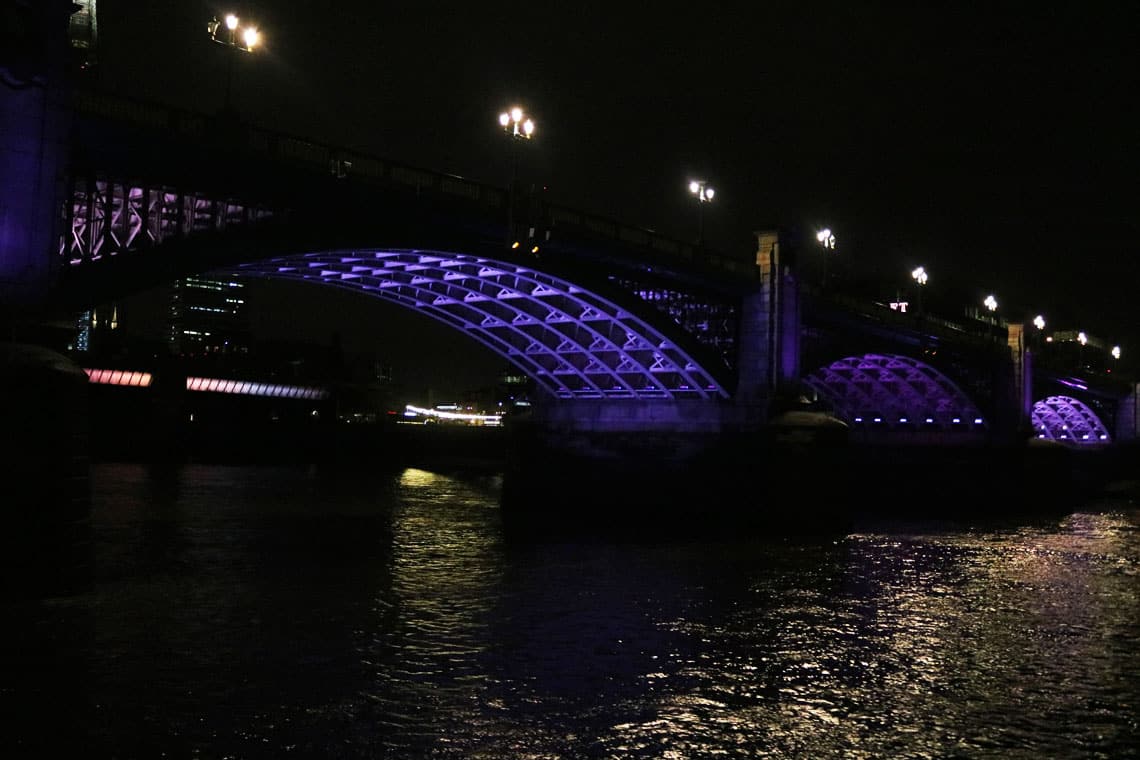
point(990, 303)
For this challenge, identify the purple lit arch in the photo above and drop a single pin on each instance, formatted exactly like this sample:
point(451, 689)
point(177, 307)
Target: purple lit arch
point(894, 393)
point(573, 343)
point(1068, 420)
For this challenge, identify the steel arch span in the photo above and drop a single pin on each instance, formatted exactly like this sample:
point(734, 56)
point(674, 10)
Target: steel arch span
point(894, 393)
point(1068, 420)
point(573, 343)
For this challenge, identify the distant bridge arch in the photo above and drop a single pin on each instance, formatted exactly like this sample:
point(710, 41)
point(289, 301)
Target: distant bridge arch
point(889, 392)
point(572, 342)
point(1068, 420)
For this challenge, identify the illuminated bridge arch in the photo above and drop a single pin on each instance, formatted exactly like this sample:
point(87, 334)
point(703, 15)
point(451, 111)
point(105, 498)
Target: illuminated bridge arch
point(1068, 420)
point(573, 343)
point(894, 393)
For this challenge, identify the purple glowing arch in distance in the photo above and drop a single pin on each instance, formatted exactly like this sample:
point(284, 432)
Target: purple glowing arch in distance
point(571, 342)
point(890, 393)
point(1068, 420)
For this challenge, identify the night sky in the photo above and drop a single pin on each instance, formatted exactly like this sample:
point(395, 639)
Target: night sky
point(996, 149)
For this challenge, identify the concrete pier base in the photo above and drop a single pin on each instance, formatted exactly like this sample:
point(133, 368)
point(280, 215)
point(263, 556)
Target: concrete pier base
point(46, 547)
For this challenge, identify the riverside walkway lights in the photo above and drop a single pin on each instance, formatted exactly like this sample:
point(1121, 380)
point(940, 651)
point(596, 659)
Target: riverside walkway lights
point(704, 193)
point(518, 126)
point(227, 33)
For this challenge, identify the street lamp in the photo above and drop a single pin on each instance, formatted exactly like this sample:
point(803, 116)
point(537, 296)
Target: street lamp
point(827, 241)
point(227, 34)
point(704, 193)
point(518, 126)
point(1039, 322)
point(918, 274)
point(1082, 339)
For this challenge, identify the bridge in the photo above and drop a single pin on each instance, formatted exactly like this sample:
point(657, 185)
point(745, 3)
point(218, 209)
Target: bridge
point(623, 331)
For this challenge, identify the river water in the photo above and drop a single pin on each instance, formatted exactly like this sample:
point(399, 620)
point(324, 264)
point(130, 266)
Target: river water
point(300, 611)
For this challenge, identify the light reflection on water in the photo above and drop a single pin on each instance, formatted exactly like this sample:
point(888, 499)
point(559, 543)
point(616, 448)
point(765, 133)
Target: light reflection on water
point(267, 612)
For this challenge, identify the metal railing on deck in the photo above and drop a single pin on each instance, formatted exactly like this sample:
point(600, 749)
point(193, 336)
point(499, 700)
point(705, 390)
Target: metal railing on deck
point(324, 157)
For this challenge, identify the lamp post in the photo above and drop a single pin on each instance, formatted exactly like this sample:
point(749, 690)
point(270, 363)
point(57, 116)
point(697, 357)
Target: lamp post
point(991, 303)
point(826, 240)
point(231, 34)
point(518, 126)
point(918, 274)
point(704, 193)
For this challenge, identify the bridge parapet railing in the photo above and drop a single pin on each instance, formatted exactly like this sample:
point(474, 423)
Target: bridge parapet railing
point(967, 331)
point(326, 158)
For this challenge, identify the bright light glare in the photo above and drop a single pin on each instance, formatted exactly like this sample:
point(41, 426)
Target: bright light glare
point(251, 37)
point(231, 21)
point(516, 114)
point(1082, 338)
point(1039, 322)
point(701, 190)
point(528, 127)
point(492, 419)
point(919, 275)
point(504, 118)
point(991, 303)
point(1116, 352)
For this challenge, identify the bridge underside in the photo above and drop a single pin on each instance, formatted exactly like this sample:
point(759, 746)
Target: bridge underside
point(573, 343)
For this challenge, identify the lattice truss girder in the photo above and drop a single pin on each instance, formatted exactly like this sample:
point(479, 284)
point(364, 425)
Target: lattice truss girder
point(892, 389)
point(573, 343)
point(1069, 420)
point(711, 323)
point(106, 217)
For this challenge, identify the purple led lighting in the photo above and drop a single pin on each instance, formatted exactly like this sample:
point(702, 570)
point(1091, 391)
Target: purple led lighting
point(1068, 419)
point(543, 325)
point(1073, 384)
point(901, 389)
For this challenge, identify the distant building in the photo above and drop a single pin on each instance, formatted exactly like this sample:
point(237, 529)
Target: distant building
point(83, 34)
point(208, 318)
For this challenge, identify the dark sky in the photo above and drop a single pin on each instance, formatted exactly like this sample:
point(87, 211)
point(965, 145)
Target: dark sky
point(995, 148)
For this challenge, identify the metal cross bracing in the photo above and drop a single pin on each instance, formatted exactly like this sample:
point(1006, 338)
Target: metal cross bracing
point(1069, 420)
point(105, 218)
point(712, 323)
point(894, 392)
point(572, 342)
